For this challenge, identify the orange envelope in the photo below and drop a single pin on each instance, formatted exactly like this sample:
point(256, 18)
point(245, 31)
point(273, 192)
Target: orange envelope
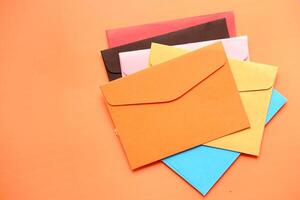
point(176, 105)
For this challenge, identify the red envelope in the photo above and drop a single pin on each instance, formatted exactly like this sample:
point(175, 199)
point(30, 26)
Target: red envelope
point(120, 36)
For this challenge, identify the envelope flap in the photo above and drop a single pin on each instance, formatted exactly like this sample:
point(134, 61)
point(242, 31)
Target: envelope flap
point(251, 76)
point(160, 55)
point(167, 81)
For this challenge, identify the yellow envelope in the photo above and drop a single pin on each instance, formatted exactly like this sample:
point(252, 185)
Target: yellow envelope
point(255, 83)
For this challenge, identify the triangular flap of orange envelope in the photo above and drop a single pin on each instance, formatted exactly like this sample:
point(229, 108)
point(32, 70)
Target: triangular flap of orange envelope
point(164, 110)
point(254, 81)
point(164, 87)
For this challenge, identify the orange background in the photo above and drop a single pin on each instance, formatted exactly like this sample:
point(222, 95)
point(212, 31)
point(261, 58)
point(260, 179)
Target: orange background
point(56, 138)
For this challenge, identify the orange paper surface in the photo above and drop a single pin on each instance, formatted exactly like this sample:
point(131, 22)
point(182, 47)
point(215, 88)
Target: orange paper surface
point(255, 83)
point(168, 110)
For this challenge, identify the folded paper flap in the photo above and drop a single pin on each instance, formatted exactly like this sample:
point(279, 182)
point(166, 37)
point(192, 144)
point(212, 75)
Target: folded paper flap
point(251, 76)
point(111, 55)
point(167, 81)
point(160, 49)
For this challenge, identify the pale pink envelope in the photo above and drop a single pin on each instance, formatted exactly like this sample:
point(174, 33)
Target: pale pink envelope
point(134, 61)
point(125, 35)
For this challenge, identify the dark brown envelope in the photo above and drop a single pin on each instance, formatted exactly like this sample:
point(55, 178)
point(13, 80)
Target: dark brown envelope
point(208, 31)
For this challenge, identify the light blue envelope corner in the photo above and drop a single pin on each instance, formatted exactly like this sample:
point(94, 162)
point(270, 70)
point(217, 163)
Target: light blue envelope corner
point(203, 166)
point(277, 101)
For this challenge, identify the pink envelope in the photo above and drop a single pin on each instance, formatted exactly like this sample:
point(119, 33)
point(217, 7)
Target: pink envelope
point(134, 61)
point(120, 36)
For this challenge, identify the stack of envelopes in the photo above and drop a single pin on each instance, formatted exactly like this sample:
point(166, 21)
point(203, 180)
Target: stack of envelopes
point(184, 92)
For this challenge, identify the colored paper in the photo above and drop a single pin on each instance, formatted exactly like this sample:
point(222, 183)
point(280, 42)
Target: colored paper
point(254, 81)
point(213, 161)
point(203, 166)
point(121, 36)
point(134, 61)
point(146, 118)
point(130, 34)
point(277, 101)
point(208, 31)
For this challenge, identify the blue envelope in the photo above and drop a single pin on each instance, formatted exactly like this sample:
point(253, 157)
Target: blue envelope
point(203, 166)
